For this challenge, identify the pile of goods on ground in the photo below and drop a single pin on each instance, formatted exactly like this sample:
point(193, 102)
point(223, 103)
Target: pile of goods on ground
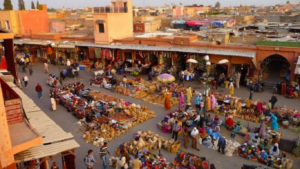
point(147, 141)
point(254, 110)
point(101, 115)
point(189, 160)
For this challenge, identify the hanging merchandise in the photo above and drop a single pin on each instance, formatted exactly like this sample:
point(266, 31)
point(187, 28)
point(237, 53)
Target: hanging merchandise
point(107, 54)
point(113, 55)
point(110, 54)
point(118, 55)
point(91, 52)
point(102, 53)
point(98, 53)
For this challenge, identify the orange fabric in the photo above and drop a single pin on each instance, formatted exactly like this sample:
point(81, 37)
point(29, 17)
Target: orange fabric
point(168, 105)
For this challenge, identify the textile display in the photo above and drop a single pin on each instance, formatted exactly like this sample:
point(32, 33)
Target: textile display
point(98, 53)
point(91, 52)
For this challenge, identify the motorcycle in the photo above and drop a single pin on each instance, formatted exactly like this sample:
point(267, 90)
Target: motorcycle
point(258, 87)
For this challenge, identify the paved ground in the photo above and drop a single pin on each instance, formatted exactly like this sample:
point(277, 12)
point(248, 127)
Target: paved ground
point(67, 121)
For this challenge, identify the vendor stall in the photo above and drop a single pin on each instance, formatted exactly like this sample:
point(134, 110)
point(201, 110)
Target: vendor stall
point(102, 116)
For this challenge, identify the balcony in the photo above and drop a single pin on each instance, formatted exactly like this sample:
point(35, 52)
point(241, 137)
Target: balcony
point(110, 10)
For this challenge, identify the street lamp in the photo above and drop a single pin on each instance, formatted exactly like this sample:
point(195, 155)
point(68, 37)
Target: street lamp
point(206, 58)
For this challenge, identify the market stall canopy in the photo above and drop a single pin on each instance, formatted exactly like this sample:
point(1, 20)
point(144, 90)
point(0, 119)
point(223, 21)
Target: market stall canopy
point(297, 69)
point(32, 42)
point(192, 61)
point(165, 78)
point(68, 46)
point(172, 49)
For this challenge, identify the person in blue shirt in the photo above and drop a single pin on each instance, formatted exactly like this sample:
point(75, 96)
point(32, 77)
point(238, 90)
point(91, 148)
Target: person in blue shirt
point(198, 101)
point(274, 124)
point(263, 154)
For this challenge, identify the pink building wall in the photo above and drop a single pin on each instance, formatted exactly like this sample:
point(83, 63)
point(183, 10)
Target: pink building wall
point(57, 26)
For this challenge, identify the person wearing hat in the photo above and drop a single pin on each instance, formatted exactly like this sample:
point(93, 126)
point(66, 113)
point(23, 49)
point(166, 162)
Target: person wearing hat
point(263, 154)
point(222, 144)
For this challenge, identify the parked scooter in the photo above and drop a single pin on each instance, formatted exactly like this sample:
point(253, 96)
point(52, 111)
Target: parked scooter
point(258, 87)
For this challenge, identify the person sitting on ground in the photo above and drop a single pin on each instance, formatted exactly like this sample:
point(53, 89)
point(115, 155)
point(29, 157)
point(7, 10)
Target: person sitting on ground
point(229, 122)
point(274, 151)
point(238, 127)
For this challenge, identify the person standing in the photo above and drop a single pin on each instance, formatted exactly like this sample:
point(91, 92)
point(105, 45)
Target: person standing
point(25, 79)
point(238, 78)
point(176, 128)
point(27, 61)
point(39, 90)
point(136, 163)
point(46, 68)
point(222, 144)
point(273, 101)
point(251, 91)
point(198, 101)
point(195, 138)
point(231, 89)
point(53, 104)
point(186, 137)
point(189, 94)
point(181, 100)
point(181, 77)
point(103, 154)
point(168, 105)
point(89, 160)
point(68, 63)
point(30, 69)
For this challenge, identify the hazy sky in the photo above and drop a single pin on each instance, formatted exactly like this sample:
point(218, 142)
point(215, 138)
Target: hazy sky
point(82, 3)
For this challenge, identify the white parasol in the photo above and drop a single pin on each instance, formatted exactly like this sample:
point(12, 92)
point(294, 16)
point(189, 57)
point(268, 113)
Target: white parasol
point(223, 61)
point(192, 61)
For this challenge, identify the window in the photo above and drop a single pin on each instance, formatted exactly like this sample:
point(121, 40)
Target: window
point(0, 25)
point(139, 27)
point(7, 25)
point(101, 27)
point(182, 42)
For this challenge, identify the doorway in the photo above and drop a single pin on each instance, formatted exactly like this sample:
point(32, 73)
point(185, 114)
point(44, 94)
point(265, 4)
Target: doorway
point(277, 68)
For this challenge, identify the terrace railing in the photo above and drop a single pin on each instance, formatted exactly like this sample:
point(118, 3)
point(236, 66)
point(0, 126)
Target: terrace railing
point(110, 9)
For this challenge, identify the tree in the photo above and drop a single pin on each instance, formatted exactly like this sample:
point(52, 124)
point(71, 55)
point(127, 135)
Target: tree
point(218, 5)
point(32, 5)
point(287, 2)
point(37, 4)
point(21, 5)
point(7, 5)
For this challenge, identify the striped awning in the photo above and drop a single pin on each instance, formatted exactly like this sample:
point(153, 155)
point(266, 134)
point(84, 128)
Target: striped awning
point(54, 136)
point(45, 150)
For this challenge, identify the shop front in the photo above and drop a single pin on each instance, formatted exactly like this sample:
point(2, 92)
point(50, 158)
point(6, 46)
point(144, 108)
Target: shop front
point(64, 52)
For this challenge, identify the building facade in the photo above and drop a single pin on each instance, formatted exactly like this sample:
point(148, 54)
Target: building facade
point(25, 21)
point(113, 22)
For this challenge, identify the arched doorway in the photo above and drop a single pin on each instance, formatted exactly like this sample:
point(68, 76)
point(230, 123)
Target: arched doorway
point(276, 66)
